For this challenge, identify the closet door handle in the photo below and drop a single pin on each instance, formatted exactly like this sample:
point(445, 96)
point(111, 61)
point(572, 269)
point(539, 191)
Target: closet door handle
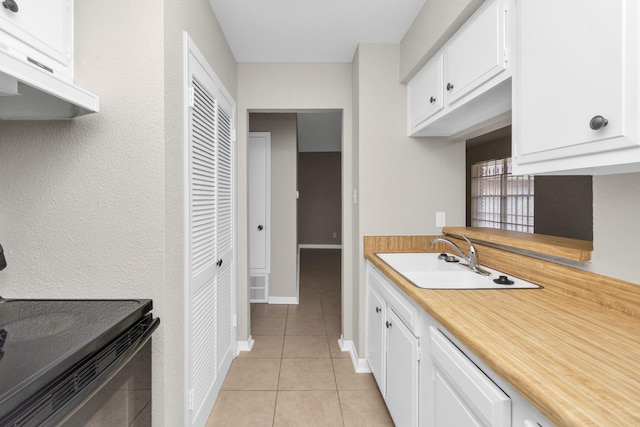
point(432, 100)
point(378, 309)
point(449, 86)
point(389, 324)
point(260, 228)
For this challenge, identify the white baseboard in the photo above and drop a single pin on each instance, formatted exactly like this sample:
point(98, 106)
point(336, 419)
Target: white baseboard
point(283, 300)
point(245, 345)
point(360, 365)
point(319, 246)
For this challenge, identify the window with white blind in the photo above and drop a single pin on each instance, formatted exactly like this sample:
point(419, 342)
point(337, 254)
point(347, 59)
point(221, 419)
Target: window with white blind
point(499, 199)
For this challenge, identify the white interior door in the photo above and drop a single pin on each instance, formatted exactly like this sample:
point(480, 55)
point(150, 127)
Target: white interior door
point(259, 195)
point(210, 287)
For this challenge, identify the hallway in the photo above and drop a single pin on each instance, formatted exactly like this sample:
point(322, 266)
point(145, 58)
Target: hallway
point(296, 374)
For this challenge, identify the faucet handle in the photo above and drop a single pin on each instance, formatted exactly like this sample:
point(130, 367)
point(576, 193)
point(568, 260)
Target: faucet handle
point(473, 260)
point(469, 242)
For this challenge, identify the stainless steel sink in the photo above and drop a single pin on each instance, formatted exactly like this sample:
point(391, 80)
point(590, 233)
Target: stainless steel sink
point(426, 271)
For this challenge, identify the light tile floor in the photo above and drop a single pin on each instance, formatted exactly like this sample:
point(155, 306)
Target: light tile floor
point(296, 374)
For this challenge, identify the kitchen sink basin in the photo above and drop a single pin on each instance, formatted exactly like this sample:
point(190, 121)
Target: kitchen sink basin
point(427, 271)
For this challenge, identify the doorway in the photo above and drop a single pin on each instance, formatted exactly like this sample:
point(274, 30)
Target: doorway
point(306, 182)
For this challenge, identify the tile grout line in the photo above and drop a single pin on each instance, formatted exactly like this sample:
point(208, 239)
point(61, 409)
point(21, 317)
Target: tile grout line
point(284, 336)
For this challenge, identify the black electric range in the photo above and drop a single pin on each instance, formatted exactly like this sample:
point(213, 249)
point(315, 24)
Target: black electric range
point(53, 353)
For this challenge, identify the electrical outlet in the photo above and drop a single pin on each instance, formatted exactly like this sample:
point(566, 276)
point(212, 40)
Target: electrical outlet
point(335, 235)
point(441, 219)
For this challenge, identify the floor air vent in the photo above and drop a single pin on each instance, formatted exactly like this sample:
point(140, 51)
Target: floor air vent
point(258, 288)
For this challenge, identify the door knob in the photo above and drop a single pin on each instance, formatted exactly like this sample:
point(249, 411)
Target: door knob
point(388, 324)
point(432, 100)
point(11, 5)
point(598, 122)
point(260, 228)
point(378, 310)
point(449, 86)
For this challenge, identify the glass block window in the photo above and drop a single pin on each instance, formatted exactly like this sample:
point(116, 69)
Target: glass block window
point(500, 200)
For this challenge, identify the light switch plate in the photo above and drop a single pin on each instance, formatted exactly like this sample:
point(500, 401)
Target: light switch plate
point(441, 219)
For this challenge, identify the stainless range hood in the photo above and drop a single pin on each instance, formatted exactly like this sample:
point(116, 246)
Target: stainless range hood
point(29, 92)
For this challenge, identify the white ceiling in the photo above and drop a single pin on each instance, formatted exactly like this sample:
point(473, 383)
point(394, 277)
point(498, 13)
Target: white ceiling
point(310, 30)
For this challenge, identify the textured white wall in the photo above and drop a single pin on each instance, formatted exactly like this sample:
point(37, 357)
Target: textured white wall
point(82, 201)
point(92, 208)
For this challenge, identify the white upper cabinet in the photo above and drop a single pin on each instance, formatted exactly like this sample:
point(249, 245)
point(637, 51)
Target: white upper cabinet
point(477, 53)
point(576, 87)
point(467, 82)
point(41, 32)
point(426, 92)
point(36, 62)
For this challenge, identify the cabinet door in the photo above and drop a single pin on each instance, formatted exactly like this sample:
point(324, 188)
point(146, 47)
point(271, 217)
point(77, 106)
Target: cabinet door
point(375, 320)
point(41, 30)
point(574, 63)
point(425, 92)
point(402, 372)
point(477, 52)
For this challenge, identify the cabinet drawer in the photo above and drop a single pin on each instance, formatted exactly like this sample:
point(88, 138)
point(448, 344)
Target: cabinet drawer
point(490, 405)
point(394, 298)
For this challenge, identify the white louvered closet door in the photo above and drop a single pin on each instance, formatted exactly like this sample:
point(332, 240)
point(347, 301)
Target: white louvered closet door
point(210, 305)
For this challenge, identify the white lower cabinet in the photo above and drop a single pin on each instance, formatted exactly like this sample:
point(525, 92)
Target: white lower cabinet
point(393, 348)
point(463, 394)
point(426, 376)
point(376, 316)
point(401, 393)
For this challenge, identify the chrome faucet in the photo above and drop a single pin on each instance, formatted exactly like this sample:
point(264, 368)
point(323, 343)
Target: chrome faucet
point(472, 259)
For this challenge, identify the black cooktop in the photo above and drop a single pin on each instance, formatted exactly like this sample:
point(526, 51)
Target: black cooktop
point(41, 339)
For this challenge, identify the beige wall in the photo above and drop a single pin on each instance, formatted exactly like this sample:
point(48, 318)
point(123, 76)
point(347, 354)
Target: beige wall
point(290, 87)
point(403, 181)
point(352, 299)
point(436, 22)
point(320, 202)
point(282, 280)
point(616, 229)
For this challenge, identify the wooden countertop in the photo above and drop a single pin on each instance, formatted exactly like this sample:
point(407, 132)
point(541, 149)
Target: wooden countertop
point(572, 349)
